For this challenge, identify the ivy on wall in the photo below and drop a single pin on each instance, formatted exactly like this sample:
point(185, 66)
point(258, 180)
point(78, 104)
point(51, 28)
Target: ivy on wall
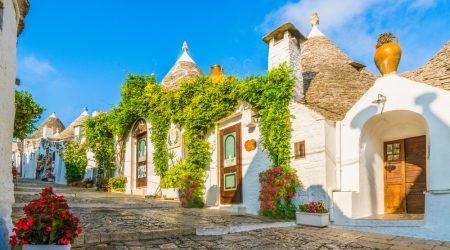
point(196, 105)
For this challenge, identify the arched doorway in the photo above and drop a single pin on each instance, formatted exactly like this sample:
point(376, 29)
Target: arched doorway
point(393, 157)
point(140, 163)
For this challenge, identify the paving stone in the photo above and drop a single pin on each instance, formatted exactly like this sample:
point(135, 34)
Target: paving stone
point(168, 246)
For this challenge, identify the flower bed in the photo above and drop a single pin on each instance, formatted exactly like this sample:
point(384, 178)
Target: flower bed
point(278, 187)
point(47, 221)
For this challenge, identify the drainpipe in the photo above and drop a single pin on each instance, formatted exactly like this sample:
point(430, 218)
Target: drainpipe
point(338, 168)
point(217, 163)
point(339, 162)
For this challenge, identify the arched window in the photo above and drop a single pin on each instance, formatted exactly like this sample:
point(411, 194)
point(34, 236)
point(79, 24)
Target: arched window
point(230, 149)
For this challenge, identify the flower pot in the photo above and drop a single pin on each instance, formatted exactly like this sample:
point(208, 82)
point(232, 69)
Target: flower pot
point(46, 247)
point(312, 219)
point(387, 57)
point(169, 193)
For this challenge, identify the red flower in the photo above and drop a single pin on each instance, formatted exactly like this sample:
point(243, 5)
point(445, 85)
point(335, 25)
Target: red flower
point(64, 241)
point(30, 221)
point(13, 240)
point(23, 242)
point(68, 233)
point(75, 220)
point(48, 229)
point(53, 206)
point(79, 230)
point(64, 214)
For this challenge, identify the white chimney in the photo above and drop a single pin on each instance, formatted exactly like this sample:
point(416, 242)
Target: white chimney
point(284, 46)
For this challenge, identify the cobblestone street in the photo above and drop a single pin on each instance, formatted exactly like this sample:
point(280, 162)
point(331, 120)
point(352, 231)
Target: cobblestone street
point(120, 221)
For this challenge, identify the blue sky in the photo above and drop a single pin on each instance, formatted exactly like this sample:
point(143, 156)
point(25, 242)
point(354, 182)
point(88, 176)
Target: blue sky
point(76, 53)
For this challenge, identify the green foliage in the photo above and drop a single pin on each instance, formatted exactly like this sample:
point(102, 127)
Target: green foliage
point(100, 139)
point(118, 183)
point(195, 106)
point(271, 94)
point(75, 160)
point(28, 112)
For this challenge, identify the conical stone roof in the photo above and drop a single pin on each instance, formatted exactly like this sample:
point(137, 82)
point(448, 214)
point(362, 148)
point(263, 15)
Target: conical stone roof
point(435, 72)
point(69, 133)
point(52, 122)
point(185, 68)
point(331, 84)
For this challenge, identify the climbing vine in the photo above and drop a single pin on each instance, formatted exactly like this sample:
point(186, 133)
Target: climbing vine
point(195, 106)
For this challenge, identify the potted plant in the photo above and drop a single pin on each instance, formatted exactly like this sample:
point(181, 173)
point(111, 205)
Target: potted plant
point(48, 224)
point(313, 214)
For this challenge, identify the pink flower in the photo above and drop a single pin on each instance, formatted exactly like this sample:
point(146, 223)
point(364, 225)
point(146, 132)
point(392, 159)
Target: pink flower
point(190, 191)
point(48, 229)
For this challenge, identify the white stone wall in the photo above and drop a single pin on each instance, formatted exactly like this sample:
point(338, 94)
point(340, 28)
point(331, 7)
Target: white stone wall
point(8, 40)
point(309, 126)
point(253, 162)
point(286, 50)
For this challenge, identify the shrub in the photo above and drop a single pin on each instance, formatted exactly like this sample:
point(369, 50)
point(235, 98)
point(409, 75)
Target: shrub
point(278, 187)
point(314, 207)
point(75, 160)
point(190, 193)
point(118, 183)
point(102, 184)
point(47, 220)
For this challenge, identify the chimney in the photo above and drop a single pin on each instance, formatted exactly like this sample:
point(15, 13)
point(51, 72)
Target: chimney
point(284, 46)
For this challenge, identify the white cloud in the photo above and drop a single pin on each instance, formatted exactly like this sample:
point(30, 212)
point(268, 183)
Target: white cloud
point(333, 14)
point(32, 65)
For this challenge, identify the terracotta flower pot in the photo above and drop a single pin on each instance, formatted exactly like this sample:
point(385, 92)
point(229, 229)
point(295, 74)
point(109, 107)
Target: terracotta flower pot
point(387, 57)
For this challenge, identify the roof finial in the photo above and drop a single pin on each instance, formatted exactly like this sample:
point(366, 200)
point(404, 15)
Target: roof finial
point(314, 19)
point(185, 47)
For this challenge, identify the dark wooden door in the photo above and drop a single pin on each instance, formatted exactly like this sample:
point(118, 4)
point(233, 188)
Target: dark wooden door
point(141, 160)
point(394, 177)
point(230, 165)
point(405, 175)
point(416, 177)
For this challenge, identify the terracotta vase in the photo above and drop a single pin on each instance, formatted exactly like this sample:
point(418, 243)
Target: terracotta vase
point(217, 71)
point(387, 57)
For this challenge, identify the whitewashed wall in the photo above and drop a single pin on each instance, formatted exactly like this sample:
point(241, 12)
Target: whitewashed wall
point(309, 126)
point(430, 104)
point(8, 41)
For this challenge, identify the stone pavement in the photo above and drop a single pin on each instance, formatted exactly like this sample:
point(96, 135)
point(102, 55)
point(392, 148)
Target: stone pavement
point(279, 238)
point(120, 221)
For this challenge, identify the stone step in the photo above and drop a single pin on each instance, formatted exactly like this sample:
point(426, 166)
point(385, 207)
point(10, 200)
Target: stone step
point(84, 240)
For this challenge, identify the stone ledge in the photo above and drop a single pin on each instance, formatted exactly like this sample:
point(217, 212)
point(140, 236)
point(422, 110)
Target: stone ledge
point(95, 238)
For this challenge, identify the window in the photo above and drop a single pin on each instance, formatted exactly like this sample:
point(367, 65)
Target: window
point(230, 149)
point(300, 151)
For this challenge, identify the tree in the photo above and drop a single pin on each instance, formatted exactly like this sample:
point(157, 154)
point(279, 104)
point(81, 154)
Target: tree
point(28, 112)
point(75, 159)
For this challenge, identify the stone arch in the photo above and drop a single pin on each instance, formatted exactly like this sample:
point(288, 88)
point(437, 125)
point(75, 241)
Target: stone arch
point(376, 131)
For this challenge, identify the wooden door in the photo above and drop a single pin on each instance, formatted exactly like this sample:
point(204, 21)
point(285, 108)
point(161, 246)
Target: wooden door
point(416, 177)
point(394, 177)
point(230, 165)
point(141, 160)
point(405, 175)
